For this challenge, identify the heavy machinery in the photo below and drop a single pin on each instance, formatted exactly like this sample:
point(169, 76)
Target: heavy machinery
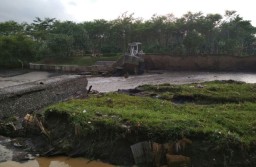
point(132, 62)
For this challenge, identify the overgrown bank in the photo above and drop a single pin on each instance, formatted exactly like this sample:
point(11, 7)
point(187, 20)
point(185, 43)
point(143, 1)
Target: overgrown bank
point(218, 117)
point(212, 123)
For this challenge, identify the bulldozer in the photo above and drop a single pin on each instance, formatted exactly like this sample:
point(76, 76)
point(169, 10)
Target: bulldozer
point(132, 62)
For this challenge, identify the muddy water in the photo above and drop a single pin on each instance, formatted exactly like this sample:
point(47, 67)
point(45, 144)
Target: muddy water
point(108, 84)
point(7, 155)
point(56, 162)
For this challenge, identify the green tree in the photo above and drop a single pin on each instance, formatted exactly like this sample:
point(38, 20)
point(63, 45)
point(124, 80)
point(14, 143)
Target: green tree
point(75, 31)
point(237, 36)
point(15, 50)
point(59, 45)
point(40, 29)
point(122, 30)
point(11, 28)
point(97, 34)
point(193, 41)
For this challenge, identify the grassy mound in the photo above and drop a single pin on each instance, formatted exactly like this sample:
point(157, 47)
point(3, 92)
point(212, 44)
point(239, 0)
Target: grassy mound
point(206, 93)
point(221, 114)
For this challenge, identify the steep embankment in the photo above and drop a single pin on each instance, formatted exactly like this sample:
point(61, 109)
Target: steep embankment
point(197, 63)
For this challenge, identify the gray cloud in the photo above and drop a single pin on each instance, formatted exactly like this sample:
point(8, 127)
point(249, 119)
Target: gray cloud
point(27, 10)
point(72, 3)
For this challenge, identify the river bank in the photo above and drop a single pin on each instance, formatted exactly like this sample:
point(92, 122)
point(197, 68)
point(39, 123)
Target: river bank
point(105, 107)
point(199, 124)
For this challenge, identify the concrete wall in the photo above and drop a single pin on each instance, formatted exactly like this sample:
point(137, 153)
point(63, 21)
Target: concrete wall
point(199, 63)
point(69, 68)
point(62, 68)
point(21, 99)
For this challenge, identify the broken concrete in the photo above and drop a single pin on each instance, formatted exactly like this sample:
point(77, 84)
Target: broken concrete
point(21, 99)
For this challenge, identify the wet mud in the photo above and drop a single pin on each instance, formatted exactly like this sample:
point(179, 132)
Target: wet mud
point(109, 84)
point(14, 153)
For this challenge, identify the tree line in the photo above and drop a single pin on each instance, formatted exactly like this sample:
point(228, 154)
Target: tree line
point(191, 34)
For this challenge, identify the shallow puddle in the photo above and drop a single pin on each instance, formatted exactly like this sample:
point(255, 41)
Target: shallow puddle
point(56, 162)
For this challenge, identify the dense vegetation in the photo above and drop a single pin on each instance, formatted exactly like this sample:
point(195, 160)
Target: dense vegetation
point(191, 34)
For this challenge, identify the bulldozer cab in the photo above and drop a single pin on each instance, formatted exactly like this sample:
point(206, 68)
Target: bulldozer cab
point(134, 49)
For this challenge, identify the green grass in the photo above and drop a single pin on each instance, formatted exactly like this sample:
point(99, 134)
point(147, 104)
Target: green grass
point(210, 92)
point(80, 61)
point(160, 119)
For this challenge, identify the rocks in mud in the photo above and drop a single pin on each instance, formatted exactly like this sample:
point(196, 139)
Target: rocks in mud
point(33, 124)
point(5, 154)
point(11, 126)
point(155, 154)
point(7, 128)
point(129, 91)
point(170, 153)
point(17, 149)
point(22, 156)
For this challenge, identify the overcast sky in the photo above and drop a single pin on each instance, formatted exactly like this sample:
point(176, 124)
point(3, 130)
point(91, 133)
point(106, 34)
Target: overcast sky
point(87, 10)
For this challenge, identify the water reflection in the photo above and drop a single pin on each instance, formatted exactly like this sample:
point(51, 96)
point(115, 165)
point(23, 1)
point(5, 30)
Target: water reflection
point(56, 162)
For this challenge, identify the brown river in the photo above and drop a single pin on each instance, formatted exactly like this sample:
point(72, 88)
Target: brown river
point(108, 84)
point(56, 162)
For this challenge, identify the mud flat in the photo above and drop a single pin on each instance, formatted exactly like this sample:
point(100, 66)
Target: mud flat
point(109, 84)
